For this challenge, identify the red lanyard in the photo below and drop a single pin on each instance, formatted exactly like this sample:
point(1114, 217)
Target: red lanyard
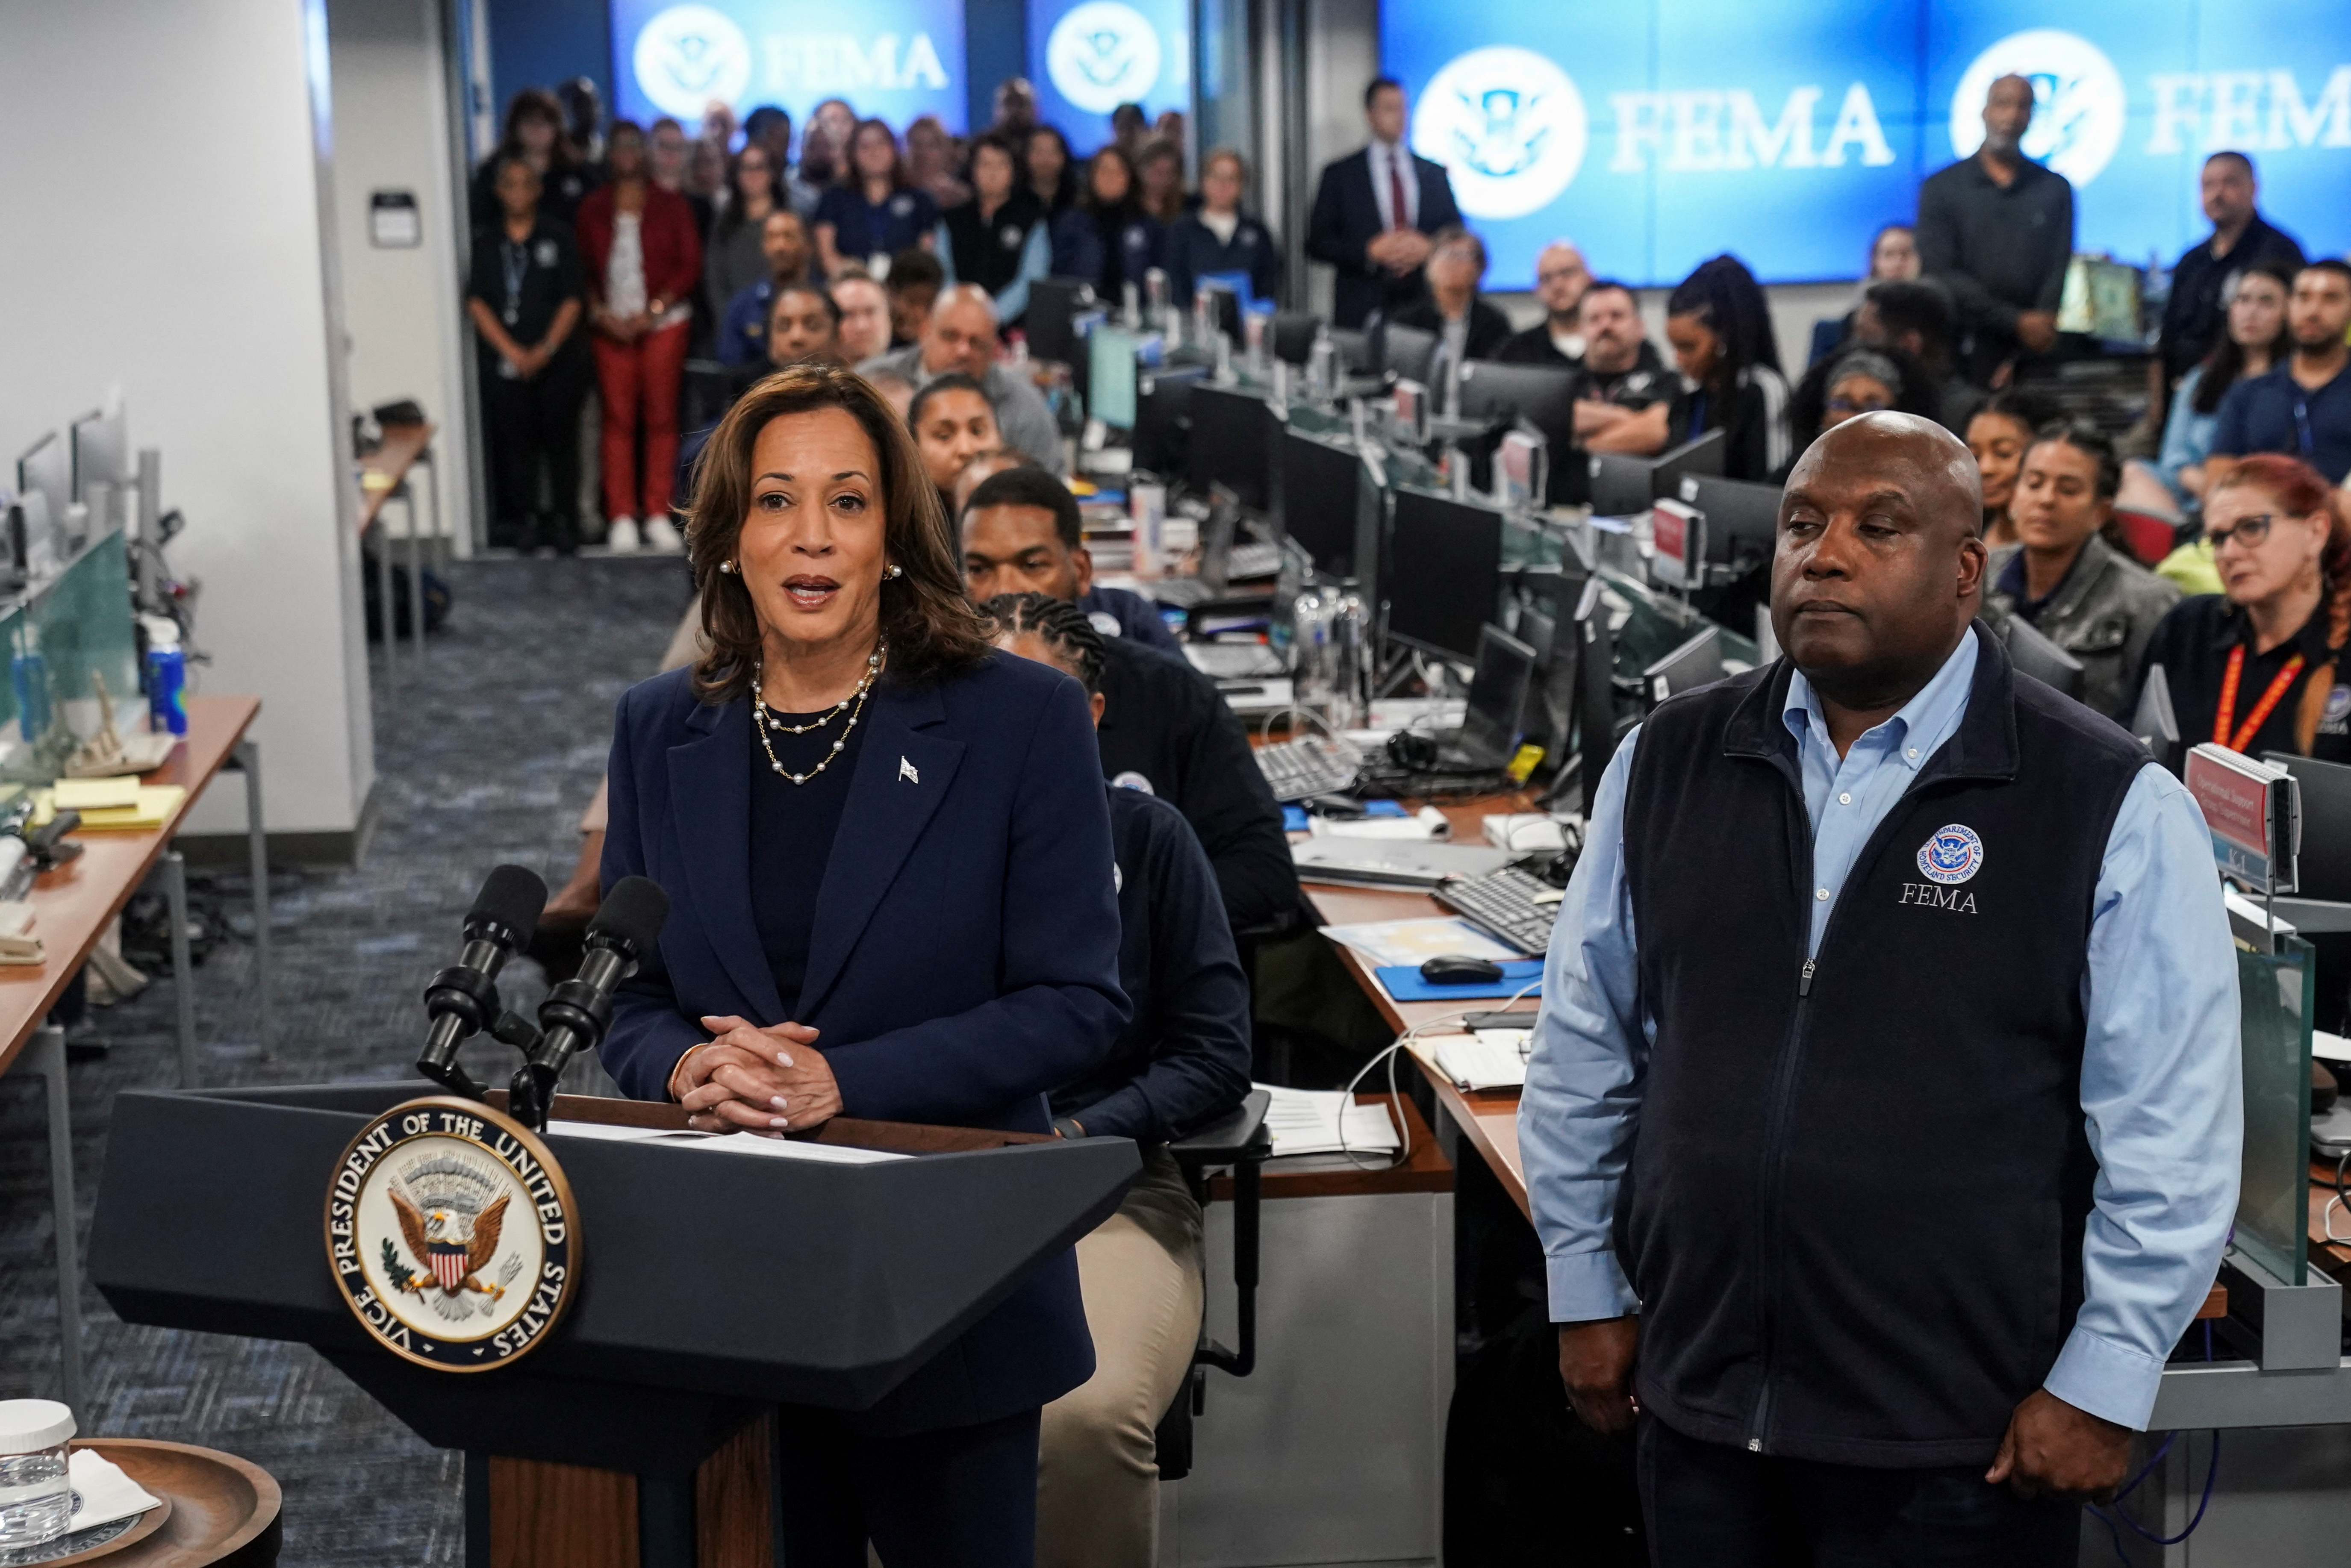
point(2261, 709)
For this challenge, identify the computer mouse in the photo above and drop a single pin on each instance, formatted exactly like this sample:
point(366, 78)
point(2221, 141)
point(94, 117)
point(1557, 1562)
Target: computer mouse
point(1460, 969)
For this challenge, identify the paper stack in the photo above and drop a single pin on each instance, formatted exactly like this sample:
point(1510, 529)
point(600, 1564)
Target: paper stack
point(18, 946)
point(109, 805)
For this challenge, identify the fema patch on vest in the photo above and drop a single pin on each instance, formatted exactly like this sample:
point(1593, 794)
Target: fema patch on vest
point(451, 1235)
point(2337, 719)
point(1952, 855)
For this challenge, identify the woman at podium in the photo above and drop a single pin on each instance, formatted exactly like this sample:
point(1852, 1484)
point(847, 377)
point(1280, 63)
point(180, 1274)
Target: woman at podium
point(888, 857)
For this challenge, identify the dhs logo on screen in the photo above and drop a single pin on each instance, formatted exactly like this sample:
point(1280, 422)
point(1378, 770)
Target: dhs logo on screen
point(687, 56)
point(1103, 54)
point(1508, 126)
point(2077, 101)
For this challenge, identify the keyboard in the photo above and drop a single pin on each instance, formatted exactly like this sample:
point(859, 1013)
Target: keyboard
point(1252, 560)
point(1512, 905)
point(1301, 768)
point(1233, 661)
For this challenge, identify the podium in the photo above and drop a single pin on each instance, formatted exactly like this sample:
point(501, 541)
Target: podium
point(714, 1284)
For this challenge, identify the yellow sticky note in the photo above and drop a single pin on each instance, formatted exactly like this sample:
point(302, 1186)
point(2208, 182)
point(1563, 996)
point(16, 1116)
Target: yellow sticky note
point(96, 794)
point(1523, 765)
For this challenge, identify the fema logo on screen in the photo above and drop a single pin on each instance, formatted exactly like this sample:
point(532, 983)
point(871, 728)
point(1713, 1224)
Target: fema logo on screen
point(1952, 855)
point(2077, 101)
point(1103, 54)
point(687, 56)
point(1508, 126)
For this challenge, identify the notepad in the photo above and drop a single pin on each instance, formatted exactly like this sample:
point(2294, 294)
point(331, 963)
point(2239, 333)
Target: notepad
point(1326, 1122)
point(95, 794)
point(1486, 1059)
point(151, 807)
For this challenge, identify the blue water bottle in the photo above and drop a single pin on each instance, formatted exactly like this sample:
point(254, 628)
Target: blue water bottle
point(29, 672)
point(167, 678)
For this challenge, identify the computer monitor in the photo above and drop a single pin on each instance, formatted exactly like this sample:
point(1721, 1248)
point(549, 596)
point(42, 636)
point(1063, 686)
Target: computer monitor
point(1743, 519)
point(1702, 455)
point(1620, 485)
point(1233, 444)
point(2323, 868)
point(1494, 721)
point(1355, 351)
point(2032, 651)
point(1051, 325)
point(1444, 572)
point(1548, 599)
point(2156, 723)
point(1110, 376)
point(1408, 352)
point(1542, 395)
point(1292, 336)
point(1163, 403)
point(101, 451)
point(1224, 300)
point(1318, 500)
point(47, 468)
point(1694, 663)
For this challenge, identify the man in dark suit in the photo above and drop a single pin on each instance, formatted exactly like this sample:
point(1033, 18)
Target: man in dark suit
point(1374, 211)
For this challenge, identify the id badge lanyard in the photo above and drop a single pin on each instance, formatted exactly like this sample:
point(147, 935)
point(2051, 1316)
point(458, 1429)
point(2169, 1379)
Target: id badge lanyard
point(514, 261)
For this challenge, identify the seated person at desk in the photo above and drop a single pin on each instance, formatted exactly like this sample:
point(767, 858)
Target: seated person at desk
point(1182, 1061)
point(864, 314)
point(2257, 668)
point(1220, 237)
point(1164, 728)
point(1561, 280)
point(1032, 541)
point(1466, 327)
point(961, 336)
point(892, 896)
point(1856, 381)
point(784, 245)
point(1623, 379)
point(953, 422)
point(1721, 331)
point(2081, 593)
point(1997, 436)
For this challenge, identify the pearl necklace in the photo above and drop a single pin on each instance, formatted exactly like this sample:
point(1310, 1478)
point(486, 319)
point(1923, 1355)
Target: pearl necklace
point(763, 720)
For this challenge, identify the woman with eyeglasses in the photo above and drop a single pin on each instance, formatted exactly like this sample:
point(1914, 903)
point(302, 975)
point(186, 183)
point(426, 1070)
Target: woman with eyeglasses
point(1857, 381)
point(2257, 668)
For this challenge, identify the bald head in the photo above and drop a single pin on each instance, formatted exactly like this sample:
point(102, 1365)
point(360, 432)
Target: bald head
point(1878, 568)
point(961, 335)
point(1561, 278)
point(2007, 115)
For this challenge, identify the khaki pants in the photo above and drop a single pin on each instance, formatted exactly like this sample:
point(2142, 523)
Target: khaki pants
point(1098, 1472)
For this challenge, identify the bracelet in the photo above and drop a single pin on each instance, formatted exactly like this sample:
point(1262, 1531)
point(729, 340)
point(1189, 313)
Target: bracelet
point(679, 1066)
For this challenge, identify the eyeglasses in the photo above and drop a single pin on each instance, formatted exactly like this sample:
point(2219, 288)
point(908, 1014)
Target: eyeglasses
point(2249, 531)
point(1559, 273)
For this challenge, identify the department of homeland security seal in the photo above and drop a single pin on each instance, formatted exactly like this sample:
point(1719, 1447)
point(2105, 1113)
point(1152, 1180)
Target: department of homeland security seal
point(1952, 855)
point(452, 1235)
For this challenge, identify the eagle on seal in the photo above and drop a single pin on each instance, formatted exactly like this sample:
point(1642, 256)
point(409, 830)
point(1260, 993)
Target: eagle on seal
point(456, 1248)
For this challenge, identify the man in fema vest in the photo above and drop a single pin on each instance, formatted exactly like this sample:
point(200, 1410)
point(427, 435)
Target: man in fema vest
point(1881, 1124)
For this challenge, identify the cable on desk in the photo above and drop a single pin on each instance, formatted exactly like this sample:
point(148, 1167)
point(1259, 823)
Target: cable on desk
point(1395, 1096)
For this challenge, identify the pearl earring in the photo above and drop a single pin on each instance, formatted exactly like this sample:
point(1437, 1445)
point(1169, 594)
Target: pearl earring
point(727, 567)
point(897, 571)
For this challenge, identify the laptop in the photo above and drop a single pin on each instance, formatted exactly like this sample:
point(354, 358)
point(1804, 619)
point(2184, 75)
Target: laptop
point(1389, 862)
point(1495, 718)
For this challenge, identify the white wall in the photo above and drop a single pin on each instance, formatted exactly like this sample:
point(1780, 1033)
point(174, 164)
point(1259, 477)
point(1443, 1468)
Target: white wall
point(162, 223)
point(401, 308)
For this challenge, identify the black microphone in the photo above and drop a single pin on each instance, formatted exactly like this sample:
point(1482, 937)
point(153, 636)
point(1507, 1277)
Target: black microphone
point(576, 1013)
point(462, 998)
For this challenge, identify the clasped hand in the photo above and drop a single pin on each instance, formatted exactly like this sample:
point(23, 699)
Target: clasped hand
point(749, 1079)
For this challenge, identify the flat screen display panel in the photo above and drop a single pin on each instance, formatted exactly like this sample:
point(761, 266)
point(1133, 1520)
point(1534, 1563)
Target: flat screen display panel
point(894, 59)
point(1660, 132)
point(1087, 56)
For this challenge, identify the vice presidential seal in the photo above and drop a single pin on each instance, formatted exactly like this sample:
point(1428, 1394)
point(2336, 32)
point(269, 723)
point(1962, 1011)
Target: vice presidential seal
point(451, 1235)
point(1952, 855)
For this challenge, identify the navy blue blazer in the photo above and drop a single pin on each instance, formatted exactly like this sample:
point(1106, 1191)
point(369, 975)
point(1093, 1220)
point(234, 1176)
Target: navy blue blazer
point(965, 955)
point(1346, 218)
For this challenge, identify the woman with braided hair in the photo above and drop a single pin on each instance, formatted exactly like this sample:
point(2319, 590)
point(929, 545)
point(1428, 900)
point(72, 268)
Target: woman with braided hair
point(1720, 329)
point(1181, 1061)
point(2258, 667)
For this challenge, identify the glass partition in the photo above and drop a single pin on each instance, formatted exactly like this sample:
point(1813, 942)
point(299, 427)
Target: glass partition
point(2275, 995)
point(72, 651)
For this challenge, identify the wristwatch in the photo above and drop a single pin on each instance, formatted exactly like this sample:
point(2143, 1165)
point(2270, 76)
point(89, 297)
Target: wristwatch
point(1070, 1127)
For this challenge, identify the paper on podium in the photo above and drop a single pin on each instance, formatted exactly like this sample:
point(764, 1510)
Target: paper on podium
point(1489, 1059)
point(732, 1142)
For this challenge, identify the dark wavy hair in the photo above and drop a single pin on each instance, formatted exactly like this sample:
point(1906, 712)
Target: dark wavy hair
point(2226, 362)
point(932, 627)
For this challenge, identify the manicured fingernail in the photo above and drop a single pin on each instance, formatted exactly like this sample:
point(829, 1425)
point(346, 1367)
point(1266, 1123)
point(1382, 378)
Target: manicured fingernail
point(777, 1102)
point(784, 1057)
point(777, 1122)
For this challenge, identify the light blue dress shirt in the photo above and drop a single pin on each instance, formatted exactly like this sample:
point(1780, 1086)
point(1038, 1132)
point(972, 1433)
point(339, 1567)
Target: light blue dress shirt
point(2161, 1091)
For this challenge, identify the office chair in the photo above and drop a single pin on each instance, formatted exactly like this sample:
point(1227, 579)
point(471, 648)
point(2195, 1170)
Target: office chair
point(1238, 1139)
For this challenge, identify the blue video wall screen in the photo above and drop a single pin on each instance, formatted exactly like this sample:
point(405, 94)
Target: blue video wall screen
point(897, 59)
point(1656, 135)
point(1087, 56)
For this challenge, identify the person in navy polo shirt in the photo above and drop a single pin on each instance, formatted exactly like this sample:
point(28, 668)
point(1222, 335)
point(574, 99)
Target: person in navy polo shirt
point(872, 212)
point(2304, 407)
point(1884, 1097)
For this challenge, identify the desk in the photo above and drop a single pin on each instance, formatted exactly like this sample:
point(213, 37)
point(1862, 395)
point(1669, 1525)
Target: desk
point(72, 908)
point(384, 476)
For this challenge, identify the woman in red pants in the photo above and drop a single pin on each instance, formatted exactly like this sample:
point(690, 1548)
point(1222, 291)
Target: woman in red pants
point(644, 259)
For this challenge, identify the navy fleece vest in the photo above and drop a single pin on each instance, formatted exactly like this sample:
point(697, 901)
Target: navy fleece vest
point(1855, 1208)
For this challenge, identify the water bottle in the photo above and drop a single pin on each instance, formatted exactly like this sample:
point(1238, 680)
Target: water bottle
point(29, 672)
point(1351, 660)
point(36, 1490)
point(1154, 296)
point(1321, 378)
point(1311, 674)
point(167, 677)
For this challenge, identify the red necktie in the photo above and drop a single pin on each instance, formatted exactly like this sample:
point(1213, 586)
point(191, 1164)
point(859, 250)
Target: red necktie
point(1399, 214)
